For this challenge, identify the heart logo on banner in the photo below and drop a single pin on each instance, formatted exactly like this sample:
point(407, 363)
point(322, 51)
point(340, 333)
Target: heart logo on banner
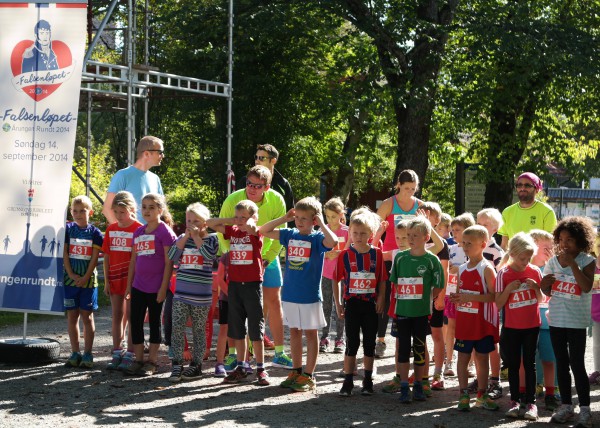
point(41, 84)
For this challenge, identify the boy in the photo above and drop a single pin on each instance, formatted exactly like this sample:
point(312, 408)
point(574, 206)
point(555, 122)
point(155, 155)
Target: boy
point(417, 276)
point(83, 243)
point(245, 287)
point(476, 316)
point(443, 229)
point(301, 293)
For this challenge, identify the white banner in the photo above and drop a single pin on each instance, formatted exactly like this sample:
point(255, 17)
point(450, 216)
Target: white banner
point(41, 52)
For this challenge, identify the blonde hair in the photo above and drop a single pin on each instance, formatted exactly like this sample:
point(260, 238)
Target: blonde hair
point(335, 204)
point(125, 199)
point(82, 200)
point(494, 215)
point(247, 205)
point(421, 224)
point(365, 217)
point(519, 244)
point(198, 210)
point(464, 220)
point(540, 235)
point(432, 207)
point(147, 143)
point(478, 232)
point(445, 220)
point(402, 225)
point(309, 203)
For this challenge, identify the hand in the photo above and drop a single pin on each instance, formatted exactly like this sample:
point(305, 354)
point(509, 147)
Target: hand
point(421, 212)
point(513, 285)
point(161, 295)
point(81, 281)
point(453, 270)
point(458, 298)
point(193, 232)
point(290, 215)
point(383, 226)
point(107, 287)
point(439, 303)
point(380, 304)
point(532, 283)
point(127, 295)
point(547, 282)
point(339, 309)
point(318, 220)
point(332, 255)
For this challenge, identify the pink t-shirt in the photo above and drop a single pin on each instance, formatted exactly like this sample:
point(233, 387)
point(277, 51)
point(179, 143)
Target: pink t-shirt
point(150, 256)
point(329, 265)
point(521, 310)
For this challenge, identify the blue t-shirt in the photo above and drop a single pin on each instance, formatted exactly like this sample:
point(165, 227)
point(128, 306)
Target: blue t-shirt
point(303, 266)
point(80, 244)
point(138, 183)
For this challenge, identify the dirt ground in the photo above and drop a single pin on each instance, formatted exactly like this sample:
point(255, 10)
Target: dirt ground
point(52, 395)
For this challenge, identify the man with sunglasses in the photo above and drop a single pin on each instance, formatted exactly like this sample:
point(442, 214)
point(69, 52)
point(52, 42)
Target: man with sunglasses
point(137, 178)
point(271, 205)
point(529, 213)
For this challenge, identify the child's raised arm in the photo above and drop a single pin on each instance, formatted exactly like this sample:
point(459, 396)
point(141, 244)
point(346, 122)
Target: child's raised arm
point(268, 229)
point(330, 239)
point(218, 224)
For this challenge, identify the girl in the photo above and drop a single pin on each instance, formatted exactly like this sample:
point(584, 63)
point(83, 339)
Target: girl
point(335, 215)
point(362, 270)
point(594, 378)
point(117, 255)
point(518, 292)
point(194, 252)
point(568, 278)
point(148, 279)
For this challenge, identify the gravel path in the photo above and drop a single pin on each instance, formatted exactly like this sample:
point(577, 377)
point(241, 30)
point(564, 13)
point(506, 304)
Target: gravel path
point(52, 395)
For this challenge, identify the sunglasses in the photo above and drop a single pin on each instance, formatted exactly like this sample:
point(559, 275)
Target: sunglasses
point(255, 186)
point(524, 185)
point(261, 158)
point(160, 152)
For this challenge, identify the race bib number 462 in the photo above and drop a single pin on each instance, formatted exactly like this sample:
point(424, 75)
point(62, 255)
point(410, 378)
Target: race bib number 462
point(362, 283)
point(299, 251)
point(145, 245)
point(80, 249)
point(565, 287)
point(409, 288)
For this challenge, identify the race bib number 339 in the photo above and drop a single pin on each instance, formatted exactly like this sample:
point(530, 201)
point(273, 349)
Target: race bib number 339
point(241, 254)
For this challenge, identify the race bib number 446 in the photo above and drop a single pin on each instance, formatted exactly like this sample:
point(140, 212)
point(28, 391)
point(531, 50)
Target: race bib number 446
point(299, 251)
point(565, 287)
point(362, 283)
point(409, 288)
point(80, 249)
point(145, 245)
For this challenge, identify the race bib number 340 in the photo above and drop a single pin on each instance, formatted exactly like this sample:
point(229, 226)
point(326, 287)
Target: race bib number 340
point(145, 245)
point(299, 251)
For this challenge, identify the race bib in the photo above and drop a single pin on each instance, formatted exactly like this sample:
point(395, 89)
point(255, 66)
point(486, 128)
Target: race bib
point(522, 296)
point(80, 249)
point(544, 302)
point(409, 288)
point(452, 282)
point(362, 283)
point(240, 254)
point(299, 251)
point(191, 259)
point(341, 243)
point(145, 245)
point(565, 287)
point(120, 241)
point(399, 217)
point(468, 307)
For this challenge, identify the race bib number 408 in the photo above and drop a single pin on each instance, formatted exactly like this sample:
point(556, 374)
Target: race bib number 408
point(145, 245)
point(565, 287)
point(120, 240)
point(409, 288)
point(80, 249)
point(299, 251)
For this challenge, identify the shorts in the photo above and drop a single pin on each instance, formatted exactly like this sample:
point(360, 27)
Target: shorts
point(118, 287)
point(449, 308)
point(545, 350)
point(245, 304)
point(394, 329)
point(223, 308)
point(437, 318)
point(85, 299)
point(303, 316)
point(272, 277)
point(481, 346)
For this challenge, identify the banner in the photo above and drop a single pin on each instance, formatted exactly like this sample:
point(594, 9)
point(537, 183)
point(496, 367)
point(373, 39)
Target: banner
point(41, 53)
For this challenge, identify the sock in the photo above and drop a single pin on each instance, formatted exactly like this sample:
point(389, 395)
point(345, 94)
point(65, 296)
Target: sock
point(494, 379)
point(404, 384)
point(298, 370)
point(260, 366)
point(308, 375)
point(549, 390)
point(349, 377)
point(278, 349)
point(368, 374)
point(232, 351)
point(437, 371)
point(480, 393)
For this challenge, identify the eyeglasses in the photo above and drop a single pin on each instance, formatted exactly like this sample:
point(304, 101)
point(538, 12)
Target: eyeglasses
point(524, 185)
point(160, 152)
point(262, 158)
point(255, 186)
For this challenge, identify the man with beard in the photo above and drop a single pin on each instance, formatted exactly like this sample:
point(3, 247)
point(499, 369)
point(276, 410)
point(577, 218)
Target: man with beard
point(529, 213)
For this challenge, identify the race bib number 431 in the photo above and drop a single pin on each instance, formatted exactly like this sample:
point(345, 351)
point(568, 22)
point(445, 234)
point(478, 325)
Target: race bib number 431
point(80, 249)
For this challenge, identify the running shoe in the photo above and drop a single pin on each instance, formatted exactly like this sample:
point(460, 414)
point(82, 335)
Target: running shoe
point(418, 393)
point(304, 383)
point(269, 345)
point(346, 390)
point(531, 414)
point(290, 380)
point(438, 383)
point(149, 368)
point(117, 357)
point(551, 403)
point(426, 388)
point(262, 378)
point(367, 387)
point(405, 395)
point(585, 417)
point(324, 345)
point(513, 410)
point(282, 360)
point(127, 361)
point(494, 390)
point(220, 370)
point(135, 369)
point(87, 361)
point(193, 372)
point(449, 369)
point(231, 363)
point(563, 414)
point(392, 386)
point(176, 371)
point(539, 390)
point(235, 376)
point(594, 378)
point(486, 403)
point(340, 347)
point(248, 368)
point(464, 403)
point(74, 360)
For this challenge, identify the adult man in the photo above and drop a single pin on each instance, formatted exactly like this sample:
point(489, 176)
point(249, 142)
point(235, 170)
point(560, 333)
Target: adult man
point(270, 206)
point(528, 213)
point(40, 55)
point(267, 156)
point(137, 178)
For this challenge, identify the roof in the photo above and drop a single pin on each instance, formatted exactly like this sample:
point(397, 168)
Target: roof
point(573, 194)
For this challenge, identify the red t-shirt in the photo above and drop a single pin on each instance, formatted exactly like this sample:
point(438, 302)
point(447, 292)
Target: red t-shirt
point(521, 310)
point(117, 244)
point(245, 259)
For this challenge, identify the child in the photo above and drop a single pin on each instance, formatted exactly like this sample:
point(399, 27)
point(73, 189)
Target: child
point(476, 316)
point(83, 243)
point(417, 276)
point(545, 355)
point(457, 258)
point(594, 378)
point(117, 255)
point(568, 279)
point(245, 291)
point(301, 294)
point(335, 215)
point(149, 275)
point(443, 229)
point(222, 282)
point(518, 292)
point(194, 252)
point(363, 273)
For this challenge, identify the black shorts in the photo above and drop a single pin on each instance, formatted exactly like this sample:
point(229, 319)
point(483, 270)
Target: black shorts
point(223, 309)
point(437, 318)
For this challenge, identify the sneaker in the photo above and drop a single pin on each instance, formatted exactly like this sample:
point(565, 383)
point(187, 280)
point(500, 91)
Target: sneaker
point(392, 386)
point(262, 378)
point(585, 417)
point(550, 403)
point(380, 349)
point(149, 368)
point(303, 383)
point(557, 393)
point(449, 369)
point(563, 414)
point(340, 347)
point(176, 371)
point(269, 345)
point(87, 361)
point(126, 362)
point(426, 388)
point(513, 410)
point(367, 388)
point(290, 380)
point(473, 387)
point(504, 374)
point(220, 370)
point(531, 414)
point(539, 390)
point(117, 357)
point(471, 370)
point(486, 403)
point(418, 393)
point(464, 403)
point(193, 372)
point(324, 345)
point(135, 369)
point(171, 353)
point(405, 396)
point(494, 390)
point(74, 360)
point(411, 380)
point(248, 368)
point(282, 360)
point(438, 383)
point(346, 390)
point(235, 376)
point(594, 378)
point(231, 363)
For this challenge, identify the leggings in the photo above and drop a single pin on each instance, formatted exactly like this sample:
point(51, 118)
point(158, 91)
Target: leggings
point(329, 310)
point(569, 349)
point(168, 317)
point(383, 318)
point(360, 315)
point(181, 313)
point(140, 302)
point(415, 329)
point(517, 344)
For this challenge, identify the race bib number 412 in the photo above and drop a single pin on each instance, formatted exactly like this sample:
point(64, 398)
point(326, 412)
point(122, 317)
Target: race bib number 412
point(191, 259)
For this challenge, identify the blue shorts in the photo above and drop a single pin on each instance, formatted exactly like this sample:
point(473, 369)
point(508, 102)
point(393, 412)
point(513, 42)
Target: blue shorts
point(81, 298)
point(272, 277)
point(545, 350)
point(481, 346)
point(394, 329)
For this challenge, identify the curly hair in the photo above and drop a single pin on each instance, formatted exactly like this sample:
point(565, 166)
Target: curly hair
point(580, 228)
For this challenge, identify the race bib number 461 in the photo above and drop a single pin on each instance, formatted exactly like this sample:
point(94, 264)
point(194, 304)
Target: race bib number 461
point(298, 251)
point(409, 288)
point(145, 245)
point(565, 287)
point(80, 249)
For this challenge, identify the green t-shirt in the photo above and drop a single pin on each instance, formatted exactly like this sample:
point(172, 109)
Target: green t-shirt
point(517, 219)
point(413, 278)
point(271, 207)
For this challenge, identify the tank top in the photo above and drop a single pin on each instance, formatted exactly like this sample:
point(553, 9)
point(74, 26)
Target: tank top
point(395, 217)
